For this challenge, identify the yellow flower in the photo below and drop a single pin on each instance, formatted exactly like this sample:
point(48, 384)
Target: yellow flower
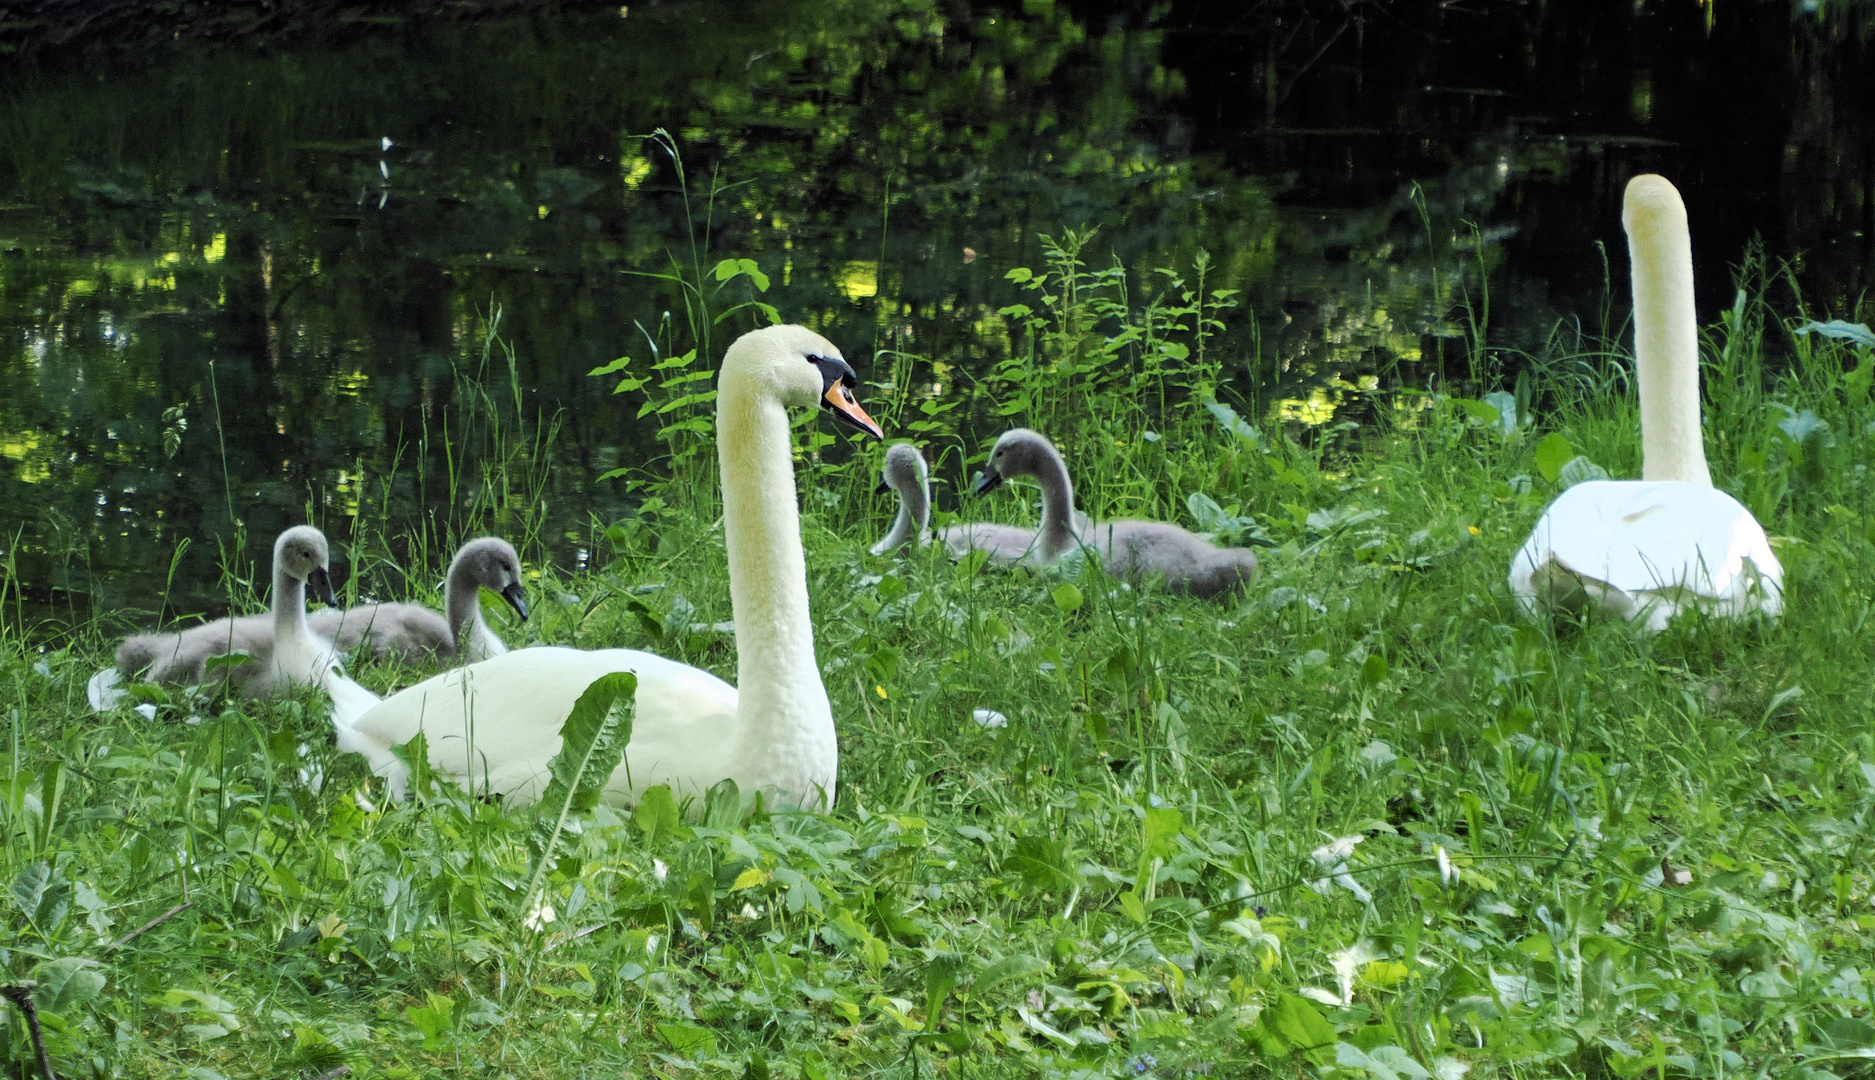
point(1474, 530)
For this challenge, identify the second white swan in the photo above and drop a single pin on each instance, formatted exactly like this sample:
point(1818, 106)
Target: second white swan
point(1646, 550)
point(495, 726)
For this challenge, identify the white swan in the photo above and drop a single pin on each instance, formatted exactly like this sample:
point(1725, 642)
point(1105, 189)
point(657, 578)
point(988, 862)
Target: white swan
point(415, 634)
point(495, 726)
point(1649, 549)
point(1126, 548)
point(285, 650)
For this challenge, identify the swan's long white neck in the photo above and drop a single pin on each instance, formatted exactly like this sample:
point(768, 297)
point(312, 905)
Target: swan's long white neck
point(1057, 532)
point(784, 725)
point(1666, 332)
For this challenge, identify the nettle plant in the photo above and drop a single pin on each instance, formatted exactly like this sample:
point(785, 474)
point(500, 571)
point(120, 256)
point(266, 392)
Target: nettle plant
point(1091, 346)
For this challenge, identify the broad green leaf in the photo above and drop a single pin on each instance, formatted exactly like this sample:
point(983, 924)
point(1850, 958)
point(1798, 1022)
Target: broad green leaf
point(1506, 406)
point(1232, 424)
point(1159, 833)
point(415, 756)
point(1478, 410)
point(1205, 511)
point(1552, 454)
point(688, 1039)
point(1373, 669)
point(592, 743)
point(1837, 328)
point(1042, 862)
point(432, 1019)
point(656, 815)
point(42, 895)
point(722, 804)
point(1803, 427)
point(1579, 470)
point(1299, 1027)
point(1008, 969)
point(1133, 907)
point(1067, 597)
point(940, 978)
point(67, 982)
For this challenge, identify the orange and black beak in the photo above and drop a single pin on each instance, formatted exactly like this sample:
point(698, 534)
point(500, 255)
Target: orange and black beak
point(836, 394)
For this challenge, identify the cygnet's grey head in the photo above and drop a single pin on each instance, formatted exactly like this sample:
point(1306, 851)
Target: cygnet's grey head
point(1019, 452)
point(904, 469)
point(301, 554)
point(491, 563)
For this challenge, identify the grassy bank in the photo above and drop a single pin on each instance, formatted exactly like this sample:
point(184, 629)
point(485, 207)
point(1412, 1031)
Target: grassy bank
point(1360, 820)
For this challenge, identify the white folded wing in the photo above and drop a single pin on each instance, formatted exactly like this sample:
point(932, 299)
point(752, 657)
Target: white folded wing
point(1647, 550)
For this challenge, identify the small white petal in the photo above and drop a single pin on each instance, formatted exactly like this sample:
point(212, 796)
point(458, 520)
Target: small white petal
point(106, 690)
point(989, 718)
point(147, 710)
point(386, 144)
point(1330, 854)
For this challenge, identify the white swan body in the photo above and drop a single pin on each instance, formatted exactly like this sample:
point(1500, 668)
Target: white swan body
point(1646, 550)
point(495, 725)
point(285, 650)
point(414, 634)
point(474, 719)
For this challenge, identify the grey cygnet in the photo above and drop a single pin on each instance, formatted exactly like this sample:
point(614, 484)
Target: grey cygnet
point(414, 634)
point(284, 650)
point(905, 472)
point(1126, 548)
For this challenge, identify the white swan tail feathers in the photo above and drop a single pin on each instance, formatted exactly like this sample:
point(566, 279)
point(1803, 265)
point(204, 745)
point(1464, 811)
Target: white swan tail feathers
point(1647, 551)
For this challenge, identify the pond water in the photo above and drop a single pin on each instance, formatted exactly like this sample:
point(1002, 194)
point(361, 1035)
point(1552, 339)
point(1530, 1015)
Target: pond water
point(242, 286)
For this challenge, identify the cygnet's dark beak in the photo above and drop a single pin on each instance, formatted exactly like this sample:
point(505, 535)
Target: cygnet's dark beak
point(516, 598)
point(988, 480)
point(884, 486)
point(319, 583)
point(836, 394)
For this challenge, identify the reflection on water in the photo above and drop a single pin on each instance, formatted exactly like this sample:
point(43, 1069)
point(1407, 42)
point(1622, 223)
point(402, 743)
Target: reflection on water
point(256, 289)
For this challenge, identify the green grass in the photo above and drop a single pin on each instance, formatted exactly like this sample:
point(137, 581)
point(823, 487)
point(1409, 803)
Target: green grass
point(1361, 820)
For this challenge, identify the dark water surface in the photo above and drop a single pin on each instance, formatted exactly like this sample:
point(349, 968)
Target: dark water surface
point(254, 285)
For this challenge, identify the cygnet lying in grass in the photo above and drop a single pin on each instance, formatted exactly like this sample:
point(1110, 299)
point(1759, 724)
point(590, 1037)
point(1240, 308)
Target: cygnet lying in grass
point(1126, 548)
point(414, 634)
point(284, 650)
point(906, 473)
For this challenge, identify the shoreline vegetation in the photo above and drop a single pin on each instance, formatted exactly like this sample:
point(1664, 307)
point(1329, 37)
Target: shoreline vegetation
point(1361, 821)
